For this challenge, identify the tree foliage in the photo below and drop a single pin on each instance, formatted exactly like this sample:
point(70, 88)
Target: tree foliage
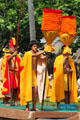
point(9, 12)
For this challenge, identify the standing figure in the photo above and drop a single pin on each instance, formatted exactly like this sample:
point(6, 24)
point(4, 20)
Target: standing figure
point(1, 79)
point(40, 77)
point(28, 78)
point(11, 80)
point(64, 85)
point(2, 69)
point(41, 74)
point(78, 83)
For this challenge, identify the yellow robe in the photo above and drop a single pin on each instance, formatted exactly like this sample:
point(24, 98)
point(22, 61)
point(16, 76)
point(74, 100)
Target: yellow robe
point(26, 79)
point(1, 79)
point(57, 93)
point(3, 69)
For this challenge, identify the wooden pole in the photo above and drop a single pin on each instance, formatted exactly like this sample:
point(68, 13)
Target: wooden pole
point(68, 81)
point(68, 88)
point(44, 86)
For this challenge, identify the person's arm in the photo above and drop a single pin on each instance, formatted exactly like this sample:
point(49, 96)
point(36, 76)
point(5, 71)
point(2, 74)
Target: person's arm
point(14, 54)
point(42, 57)
point(37, 53)
point(65, 59)
point(66, 65)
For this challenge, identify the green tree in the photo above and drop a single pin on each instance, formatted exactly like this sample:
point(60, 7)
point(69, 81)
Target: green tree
point(9, 12)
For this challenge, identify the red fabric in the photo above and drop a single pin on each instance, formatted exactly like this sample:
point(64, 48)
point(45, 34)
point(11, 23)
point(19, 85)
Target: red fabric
point(69, 17)
point(10, 74)
point(51, 10)
point(54, 69)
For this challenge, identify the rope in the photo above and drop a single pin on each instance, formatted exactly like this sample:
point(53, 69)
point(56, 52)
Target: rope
point(18, 24)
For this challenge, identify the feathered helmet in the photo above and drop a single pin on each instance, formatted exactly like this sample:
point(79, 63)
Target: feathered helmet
point(12, 42)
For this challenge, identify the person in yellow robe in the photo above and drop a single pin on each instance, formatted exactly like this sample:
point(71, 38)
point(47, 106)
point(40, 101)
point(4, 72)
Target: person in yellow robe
point(1, 79)
point(4, 52)
point(28, 76)
point(64, 66)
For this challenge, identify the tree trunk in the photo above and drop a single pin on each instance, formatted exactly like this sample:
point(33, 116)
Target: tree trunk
point(31, 20)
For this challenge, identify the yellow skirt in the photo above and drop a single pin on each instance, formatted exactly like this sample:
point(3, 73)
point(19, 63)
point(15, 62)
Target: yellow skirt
point(1, 87)
point(34, 79)
point(66, 83)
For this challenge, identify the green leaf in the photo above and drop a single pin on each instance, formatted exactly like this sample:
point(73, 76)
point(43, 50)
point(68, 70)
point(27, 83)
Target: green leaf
point(1, 21)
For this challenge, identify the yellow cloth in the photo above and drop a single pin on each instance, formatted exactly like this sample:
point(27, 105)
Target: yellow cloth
point(1, 87)
point(66, 38)
point(26, 79)
point(65, 82)
point(48, 92)
point(3, 70)
point(34, 79)
point(57, 93)
point(49, 48)
point(49, 37)
point(67, 50)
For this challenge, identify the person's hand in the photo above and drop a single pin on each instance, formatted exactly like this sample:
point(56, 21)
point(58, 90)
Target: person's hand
point(69, 70)
point(15, 53)
point(42, 51)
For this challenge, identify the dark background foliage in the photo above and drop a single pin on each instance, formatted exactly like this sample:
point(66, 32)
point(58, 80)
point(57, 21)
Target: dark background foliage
point(9, 12)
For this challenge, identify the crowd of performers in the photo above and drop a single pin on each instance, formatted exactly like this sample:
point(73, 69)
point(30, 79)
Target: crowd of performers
point(26, 79)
